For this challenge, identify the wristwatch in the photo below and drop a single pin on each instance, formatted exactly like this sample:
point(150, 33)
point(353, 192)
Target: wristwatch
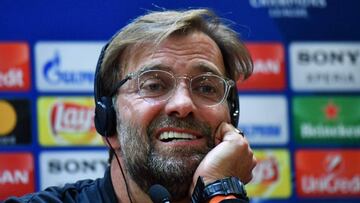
point(225, 186)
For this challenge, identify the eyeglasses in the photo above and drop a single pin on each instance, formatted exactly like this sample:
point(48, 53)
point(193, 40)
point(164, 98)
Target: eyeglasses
point(206, 89)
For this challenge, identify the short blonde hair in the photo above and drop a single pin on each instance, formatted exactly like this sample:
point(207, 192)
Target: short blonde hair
point(155, 27)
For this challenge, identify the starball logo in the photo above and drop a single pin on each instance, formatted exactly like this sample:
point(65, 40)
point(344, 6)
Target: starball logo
point(67, 121)
point(322, 173)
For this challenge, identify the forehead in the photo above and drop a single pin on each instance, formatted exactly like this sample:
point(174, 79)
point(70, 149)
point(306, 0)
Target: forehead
point(187, 54)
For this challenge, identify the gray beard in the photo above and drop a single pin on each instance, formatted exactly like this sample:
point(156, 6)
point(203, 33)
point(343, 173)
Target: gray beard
point(171, 167)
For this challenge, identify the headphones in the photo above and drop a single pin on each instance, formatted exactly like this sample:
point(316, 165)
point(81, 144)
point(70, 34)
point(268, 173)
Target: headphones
point(105, 116)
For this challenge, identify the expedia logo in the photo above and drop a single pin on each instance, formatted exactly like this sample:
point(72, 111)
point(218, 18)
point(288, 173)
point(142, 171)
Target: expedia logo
point(69, 117)
point(262, 130)
point(54, 75)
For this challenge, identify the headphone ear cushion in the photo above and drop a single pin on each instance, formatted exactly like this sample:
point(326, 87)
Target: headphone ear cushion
point(234, 107)
point(105, 117)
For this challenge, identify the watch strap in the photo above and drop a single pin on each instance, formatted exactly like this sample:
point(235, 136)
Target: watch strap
point(197, 195)
point(225, 186)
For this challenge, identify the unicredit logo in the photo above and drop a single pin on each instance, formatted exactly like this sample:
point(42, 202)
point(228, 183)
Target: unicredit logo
point(54, 75)
point(12, 78)
point(71, 118)
point(14, 66)
point(328, 173)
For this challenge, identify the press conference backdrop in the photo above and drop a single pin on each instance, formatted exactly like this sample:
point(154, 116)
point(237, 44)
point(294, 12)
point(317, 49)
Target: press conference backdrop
point(300, 110)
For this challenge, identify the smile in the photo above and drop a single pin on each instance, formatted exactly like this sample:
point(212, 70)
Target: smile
point(175, 136)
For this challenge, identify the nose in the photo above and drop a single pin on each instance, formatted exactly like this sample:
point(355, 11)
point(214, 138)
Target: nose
point(180, 104)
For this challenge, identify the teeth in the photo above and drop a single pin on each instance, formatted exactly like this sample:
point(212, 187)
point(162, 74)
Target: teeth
point(175, 135)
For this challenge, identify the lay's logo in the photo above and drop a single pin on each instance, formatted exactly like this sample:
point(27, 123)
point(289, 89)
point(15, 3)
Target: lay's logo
point(71, 118)
point(271, 176)
point(267, 171)
point(67, 121)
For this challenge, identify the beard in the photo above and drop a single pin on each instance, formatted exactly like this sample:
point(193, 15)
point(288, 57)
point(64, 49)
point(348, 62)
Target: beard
point(172, 167)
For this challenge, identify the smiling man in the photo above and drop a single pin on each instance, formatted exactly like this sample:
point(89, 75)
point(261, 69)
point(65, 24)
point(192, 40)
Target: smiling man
point(167, 107)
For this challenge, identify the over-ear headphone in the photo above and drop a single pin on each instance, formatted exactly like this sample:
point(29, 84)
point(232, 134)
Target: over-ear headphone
point(105, 116)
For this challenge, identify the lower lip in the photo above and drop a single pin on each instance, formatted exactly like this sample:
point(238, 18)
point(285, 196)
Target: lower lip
point(196, 142)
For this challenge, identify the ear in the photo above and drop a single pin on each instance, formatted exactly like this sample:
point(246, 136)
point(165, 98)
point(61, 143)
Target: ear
point(112, 141)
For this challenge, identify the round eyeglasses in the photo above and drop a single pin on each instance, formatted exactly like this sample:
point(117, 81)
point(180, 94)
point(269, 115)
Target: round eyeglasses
point(206, 89)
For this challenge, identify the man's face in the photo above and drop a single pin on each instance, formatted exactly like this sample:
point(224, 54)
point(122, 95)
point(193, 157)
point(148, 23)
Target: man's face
point(149, 157)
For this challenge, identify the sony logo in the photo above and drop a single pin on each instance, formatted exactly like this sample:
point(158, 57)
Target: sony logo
point(326, 57)
point(73, 166)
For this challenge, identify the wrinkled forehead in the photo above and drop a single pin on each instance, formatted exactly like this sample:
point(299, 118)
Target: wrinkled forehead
point(194, 49)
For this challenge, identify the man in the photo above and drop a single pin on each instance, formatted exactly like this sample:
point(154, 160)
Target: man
point(169, 79)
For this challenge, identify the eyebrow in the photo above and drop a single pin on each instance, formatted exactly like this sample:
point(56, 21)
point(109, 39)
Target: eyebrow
point(200, 67)
point(204, 67)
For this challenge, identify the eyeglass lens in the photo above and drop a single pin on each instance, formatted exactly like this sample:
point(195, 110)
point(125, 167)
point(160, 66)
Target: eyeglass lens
point(157, 85)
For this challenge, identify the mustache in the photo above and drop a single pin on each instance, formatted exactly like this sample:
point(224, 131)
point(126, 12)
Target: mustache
point(188, 122)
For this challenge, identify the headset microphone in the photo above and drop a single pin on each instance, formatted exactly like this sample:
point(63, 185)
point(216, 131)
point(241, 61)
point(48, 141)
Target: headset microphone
point(159, 194)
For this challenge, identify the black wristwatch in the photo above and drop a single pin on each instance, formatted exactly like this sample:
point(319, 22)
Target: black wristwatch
point(225, 186)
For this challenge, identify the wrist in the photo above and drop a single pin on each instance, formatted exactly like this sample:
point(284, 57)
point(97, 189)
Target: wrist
point(220, 198)
point(223, 187)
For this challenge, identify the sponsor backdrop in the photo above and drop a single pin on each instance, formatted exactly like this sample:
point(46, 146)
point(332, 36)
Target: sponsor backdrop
point(300, 110)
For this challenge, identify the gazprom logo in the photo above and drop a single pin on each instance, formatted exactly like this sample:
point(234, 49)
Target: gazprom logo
point(54, 75)
point(66, 66)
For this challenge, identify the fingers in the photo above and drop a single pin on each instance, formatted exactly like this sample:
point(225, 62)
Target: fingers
point(227, 132)
point(240, 153)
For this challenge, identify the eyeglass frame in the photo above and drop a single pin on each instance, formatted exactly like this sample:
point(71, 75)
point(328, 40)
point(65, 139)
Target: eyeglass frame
point(229, 83)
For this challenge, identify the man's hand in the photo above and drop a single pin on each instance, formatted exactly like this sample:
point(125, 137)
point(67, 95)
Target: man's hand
point(231, 157)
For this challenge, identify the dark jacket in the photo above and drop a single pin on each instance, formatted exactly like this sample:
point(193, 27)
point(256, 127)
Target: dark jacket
point(85, 191)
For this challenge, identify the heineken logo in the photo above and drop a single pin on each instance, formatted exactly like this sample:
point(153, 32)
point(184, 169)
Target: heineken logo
point(326, 119)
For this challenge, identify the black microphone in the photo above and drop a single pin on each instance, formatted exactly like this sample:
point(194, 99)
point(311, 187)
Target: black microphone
point(159, 194)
